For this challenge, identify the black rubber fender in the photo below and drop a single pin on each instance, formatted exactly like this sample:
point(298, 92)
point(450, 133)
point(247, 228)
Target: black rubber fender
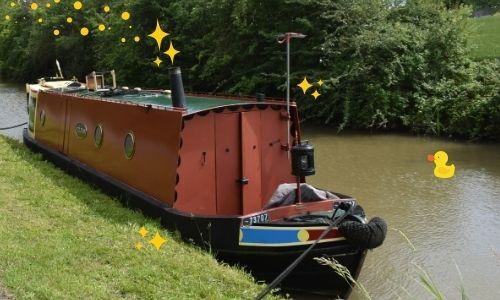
point(365, 236)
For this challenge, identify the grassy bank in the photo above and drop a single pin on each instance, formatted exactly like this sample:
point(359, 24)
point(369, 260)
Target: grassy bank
point(60, 238)
point(486, 38)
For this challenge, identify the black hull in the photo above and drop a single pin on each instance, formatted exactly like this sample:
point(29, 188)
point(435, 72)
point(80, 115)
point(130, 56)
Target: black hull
point(221, 235)
point(309, 276)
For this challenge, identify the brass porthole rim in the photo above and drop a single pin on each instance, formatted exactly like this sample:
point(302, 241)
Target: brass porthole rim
point(132, 135)
point(99, 145)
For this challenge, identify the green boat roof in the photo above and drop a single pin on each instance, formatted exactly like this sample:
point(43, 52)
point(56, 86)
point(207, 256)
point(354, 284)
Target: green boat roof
point(194, 103)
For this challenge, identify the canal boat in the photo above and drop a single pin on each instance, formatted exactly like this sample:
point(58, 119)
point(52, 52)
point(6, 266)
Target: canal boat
point(227, 173)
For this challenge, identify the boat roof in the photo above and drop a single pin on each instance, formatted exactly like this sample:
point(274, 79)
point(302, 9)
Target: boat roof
point(195, 103)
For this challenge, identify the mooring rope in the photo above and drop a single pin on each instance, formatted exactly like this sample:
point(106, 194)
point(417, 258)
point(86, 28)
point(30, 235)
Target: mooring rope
point(15, 126)
point(292, 266)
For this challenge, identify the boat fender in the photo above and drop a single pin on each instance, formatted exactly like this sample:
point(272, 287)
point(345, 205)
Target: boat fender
point(365, 236)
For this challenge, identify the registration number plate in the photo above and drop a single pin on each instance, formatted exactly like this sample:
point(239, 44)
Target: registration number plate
point(262, 218)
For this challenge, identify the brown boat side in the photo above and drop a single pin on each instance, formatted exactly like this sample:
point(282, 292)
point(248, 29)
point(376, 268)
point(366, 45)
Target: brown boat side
point(152, 169)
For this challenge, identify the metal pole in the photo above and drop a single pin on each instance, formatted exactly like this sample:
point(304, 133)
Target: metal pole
point(288, 40)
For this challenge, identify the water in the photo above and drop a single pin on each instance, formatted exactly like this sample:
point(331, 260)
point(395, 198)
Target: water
point(454, 222)
point(450, 223)
point(12, 109)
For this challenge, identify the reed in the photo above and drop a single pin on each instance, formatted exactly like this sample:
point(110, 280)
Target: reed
point(423, 277)
point(343, 272)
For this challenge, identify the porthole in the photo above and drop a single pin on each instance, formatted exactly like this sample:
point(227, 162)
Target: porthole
point(98, 136)
point(42, 117)
point(129, 145)
point(81, 131)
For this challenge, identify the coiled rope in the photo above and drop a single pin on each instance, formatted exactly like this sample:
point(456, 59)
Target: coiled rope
point(15, 126)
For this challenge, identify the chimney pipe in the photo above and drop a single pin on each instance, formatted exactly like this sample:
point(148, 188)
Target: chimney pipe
point(178, 96)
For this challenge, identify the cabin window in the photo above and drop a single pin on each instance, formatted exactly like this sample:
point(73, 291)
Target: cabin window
point(98, 136)
point(31, 111)
point(42, 117)
point(129, 145)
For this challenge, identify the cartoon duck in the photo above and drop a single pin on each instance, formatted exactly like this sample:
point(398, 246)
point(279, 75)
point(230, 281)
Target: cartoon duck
point(440, 158)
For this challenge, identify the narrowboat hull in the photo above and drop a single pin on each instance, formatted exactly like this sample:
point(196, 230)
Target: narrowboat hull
point(220, 235)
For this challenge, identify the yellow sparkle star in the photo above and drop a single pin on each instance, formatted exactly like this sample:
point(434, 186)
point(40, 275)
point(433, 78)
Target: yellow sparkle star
point(172, 52)
point(157, 241)
point(304, 85)
point(143, 231)
point(316, 94)
point(321, 82)
point(158, 34)
point(158, 61)
point(138, 246)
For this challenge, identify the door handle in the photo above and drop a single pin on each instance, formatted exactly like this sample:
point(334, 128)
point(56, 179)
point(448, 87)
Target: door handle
point(243, 181)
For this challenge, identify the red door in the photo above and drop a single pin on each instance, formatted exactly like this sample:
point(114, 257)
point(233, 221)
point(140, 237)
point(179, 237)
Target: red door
point(251, 161)
point(228, 157)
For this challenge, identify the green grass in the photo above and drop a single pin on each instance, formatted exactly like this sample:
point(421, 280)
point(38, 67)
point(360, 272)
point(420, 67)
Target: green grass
point(60, 238)
point(486, 37)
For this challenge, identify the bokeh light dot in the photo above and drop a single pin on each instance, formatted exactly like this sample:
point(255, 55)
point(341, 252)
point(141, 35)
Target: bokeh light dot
point(101, 27)
point(12, 4)
point(78, 5)
point(123, 40)
point(69, 19)
point(40, 20)
point(137, 39)
point(7, 17)
point(125, 15)
point(57, 32)
point(107, 8)
point(34, 6)
point(57, 1)
point(47, 5)
point(84, 31)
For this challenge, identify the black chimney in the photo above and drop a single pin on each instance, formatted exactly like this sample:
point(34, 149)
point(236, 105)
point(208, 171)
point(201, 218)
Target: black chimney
point(177, 88)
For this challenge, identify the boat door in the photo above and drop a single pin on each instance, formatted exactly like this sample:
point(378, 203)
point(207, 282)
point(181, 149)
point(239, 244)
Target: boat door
point(251, 162)
point(238, 162)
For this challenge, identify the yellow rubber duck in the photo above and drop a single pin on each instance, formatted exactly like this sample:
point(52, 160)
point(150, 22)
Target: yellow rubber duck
point(440, 158)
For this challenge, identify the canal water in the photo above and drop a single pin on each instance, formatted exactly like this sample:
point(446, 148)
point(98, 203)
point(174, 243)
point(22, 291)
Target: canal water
point(451, 227)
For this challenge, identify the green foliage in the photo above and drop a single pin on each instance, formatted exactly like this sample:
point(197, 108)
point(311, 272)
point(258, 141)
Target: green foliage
point(405, 67)
point(386, 64)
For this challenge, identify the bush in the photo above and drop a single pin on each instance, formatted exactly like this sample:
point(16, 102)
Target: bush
point(405, 66)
